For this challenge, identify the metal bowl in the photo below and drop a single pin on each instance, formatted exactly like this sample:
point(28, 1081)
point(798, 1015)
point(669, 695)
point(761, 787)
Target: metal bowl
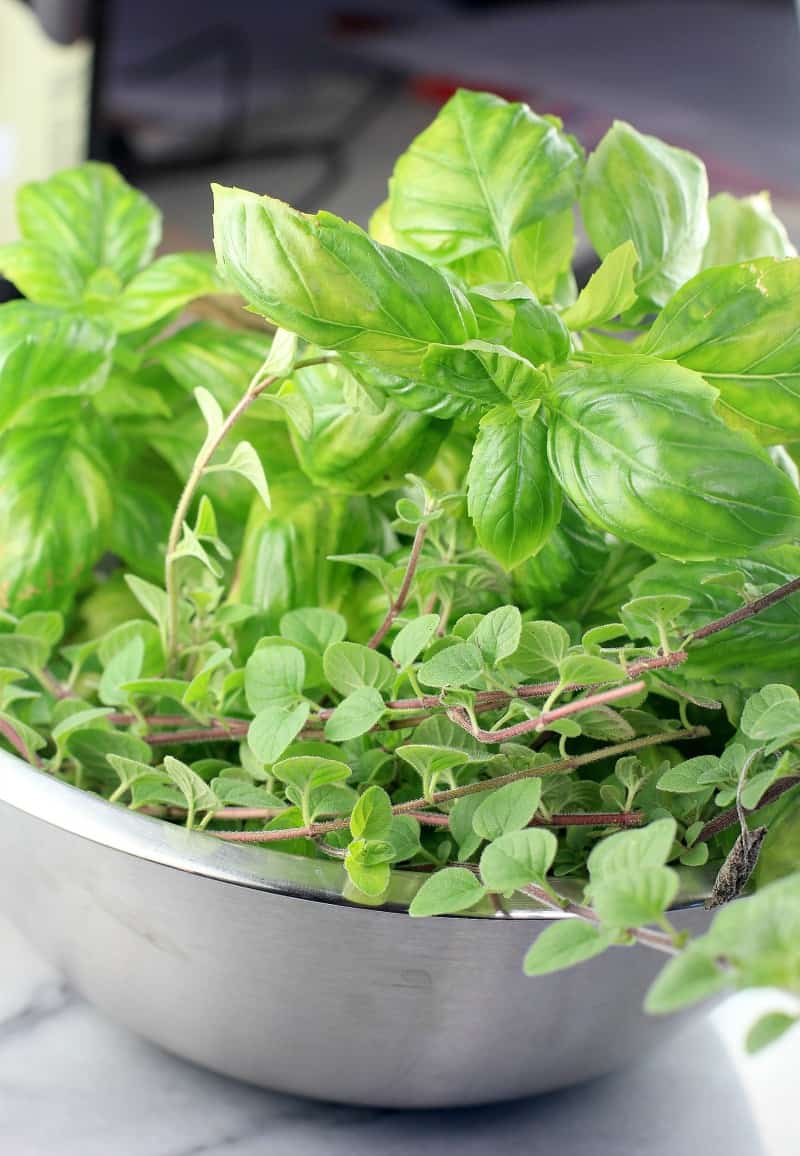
point(256, 964)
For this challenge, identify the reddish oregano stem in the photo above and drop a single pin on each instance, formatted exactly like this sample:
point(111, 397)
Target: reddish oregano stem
point(405, 587)
point(728, 818)
point(314, 830)
point(459, 715)
point(18, 743)
point(657, 940)
point(747, 611)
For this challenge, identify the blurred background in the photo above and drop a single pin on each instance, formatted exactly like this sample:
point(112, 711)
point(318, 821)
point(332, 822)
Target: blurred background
point(312, 100)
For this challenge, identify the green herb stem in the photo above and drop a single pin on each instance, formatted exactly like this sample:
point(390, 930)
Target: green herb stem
point(207, 451)
point(405, 587)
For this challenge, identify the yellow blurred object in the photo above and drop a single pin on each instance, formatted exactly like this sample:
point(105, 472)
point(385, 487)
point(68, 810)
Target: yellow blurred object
point(44, 104)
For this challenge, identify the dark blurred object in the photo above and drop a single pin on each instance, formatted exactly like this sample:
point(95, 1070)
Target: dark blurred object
point(190, 84)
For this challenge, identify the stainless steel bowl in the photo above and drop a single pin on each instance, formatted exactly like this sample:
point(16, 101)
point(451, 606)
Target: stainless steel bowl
point(256, 964)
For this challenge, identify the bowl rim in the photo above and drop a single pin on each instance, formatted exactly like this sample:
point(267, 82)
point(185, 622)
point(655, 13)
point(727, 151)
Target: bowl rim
point(75, 811)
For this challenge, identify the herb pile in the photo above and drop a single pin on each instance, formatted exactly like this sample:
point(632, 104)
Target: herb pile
point(492, 578)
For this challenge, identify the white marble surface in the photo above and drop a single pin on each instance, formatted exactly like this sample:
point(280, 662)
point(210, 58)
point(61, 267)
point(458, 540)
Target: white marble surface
point(74, 1084)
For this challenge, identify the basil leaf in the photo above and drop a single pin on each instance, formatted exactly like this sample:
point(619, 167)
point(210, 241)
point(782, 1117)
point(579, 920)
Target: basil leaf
point(167, 285)
point(478, 176)
point(609, 291)
point(357, 452)
point(639, 450)
point(737, 326)
point(92, 218)
point(765, 648)
point(47, 549)
point(512, 497)
point(636, 188)
point(743, 229)
point(328, 281)
point(56, 357)
point(219, 359)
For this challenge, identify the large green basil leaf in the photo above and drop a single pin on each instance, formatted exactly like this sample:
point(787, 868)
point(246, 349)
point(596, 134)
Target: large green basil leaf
point(636, 188)
point(572, 556)
point(140, 528)
point(738, 326)
point(638, 448)
point(512, 496)
point(353, 451)
point(167, 285)
point(478, 176)
point(541, 253)
point(42, 275)
point(509, 314)
point(328, 281)
point(765, 648)
point(80, 221)
point(413, 395)
point(56, 356)
point(743, 229)
point(55, 506)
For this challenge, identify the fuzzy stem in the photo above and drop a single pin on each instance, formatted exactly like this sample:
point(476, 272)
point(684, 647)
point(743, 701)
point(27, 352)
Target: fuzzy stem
point(730, 817)
point(747, 611)
point(460, 717)
point(405, 587)
point(657, 940)
point(207, 451)
point(314, 830)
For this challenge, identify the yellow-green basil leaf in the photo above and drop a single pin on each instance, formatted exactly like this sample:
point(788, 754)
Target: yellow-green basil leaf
point(353, 451)
point(738, 326)
point(512, 496)
point(168, 284)
point(609, 291)
point(636, 188)
point(55, 506)
point(91, 216)
point(638, 448)
point(328, 281)
point(44, 356)
point(478, 176)
point(742, 229)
